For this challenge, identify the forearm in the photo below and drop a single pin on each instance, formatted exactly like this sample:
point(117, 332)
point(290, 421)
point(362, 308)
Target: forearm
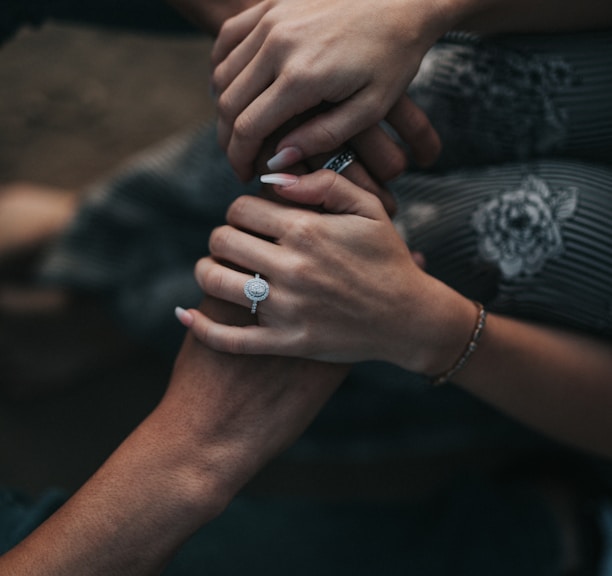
point(550, 379)
point(221, 420)
point(131, 516)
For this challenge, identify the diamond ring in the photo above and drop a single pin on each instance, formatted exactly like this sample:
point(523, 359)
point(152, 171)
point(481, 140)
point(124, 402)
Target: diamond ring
point(256, 289)
point(341, 161)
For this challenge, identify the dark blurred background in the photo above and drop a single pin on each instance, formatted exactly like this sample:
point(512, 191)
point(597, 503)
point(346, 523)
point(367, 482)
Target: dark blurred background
point(75, 103)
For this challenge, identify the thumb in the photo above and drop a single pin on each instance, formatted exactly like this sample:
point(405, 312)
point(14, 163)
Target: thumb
point(328, 191)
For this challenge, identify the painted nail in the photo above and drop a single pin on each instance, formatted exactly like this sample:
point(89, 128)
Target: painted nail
point(278, 179)
point(184, 317)
point(285, 158)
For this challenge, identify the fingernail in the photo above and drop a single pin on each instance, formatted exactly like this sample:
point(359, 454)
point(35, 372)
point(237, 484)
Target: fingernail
point(184, 317)
point(278, 179)
point(285, 158)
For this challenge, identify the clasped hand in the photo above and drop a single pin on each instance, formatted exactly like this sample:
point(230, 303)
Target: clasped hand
point(282, 58)
point(343, 284)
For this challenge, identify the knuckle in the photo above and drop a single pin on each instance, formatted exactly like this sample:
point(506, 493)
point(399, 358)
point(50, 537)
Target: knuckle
point(200, 331)
point(228, 26)
point(245, 126)
point(330, 180)
point(329, 138)
point(394, 165)
point(219, 240)
point(302, 230)
point(217, 77)
point(235, 345)
point(213, 281)
point(200, 269)
point(417, 122)
point(298, 76)
point(225, 105)
point(299, 270)
point(237, 209)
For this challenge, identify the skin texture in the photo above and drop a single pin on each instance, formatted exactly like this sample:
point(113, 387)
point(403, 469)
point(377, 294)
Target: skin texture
point(269, 69)
point(323, 267)
point(220, 421)
point(324, 262)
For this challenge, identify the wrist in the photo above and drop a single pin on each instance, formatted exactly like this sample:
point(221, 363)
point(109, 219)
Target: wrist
point(202, 482)
point(453, 326)
point(440, 328)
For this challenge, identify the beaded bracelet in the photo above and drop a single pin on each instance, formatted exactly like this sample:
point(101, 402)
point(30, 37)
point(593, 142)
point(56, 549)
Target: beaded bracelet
point(481, 320)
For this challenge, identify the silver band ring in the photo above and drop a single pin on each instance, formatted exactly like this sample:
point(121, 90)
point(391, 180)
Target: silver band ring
point(256, 289)
point(341, 161)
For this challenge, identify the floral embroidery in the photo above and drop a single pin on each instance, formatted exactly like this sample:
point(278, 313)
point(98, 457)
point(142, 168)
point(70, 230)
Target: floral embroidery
point(491, 103)
point(520, 230)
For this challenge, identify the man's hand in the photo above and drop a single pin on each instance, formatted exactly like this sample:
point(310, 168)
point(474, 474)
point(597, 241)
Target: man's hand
point(244, 410)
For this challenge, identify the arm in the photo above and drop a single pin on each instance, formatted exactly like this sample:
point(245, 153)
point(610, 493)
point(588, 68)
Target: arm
point(283, 57)
point(220, 421)
point(554, 380)
point(343, 288)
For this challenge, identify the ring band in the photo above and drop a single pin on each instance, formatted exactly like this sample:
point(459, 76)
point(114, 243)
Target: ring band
point(256, 289)
point(341, 161)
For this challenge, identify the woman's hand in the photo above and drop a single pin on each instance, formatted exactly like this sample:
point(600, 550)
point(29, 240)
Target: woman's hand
point(384, 162)
point(343, 285)
point(284, 57)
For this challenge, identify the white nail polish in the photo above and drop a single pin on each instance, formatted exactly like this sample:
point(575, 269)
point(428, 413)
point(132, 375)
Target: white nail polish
point(184, 317)
point(278, 179)
point(285, 158)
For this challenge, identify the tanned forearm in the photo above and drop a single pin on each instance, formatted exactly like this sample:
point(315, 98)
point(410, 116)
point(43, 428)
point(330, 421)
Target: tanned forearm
point(221, 420)
point(554, 380)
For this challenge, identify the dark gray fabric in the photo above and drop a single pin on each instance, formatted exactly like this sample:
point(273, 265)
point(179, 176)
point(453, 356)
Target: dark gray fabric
point(20, 514)
point(137, 238)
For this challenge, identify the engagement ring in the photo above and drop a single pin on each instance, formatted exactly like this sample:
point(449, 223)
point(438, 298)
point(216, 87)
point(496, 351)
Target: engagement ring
point(256, 289)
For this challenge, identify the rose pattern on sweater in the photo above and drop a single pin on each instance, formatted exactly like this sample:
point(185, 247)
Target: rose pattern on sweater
point(520, 230)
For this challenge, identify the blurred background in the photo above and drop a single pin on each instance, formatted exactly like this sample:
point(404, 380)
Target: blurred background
point(75, 103)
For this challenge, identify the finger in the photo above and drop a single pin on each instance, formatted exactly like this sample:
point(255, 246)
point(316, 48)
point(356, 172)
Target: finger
point(222, 282)
point(233, 105)
point(265, 114)
point(267, 151)
point(262, 217)
point(244, 250)
point(419, 259)
point(330, 191)
point(359, 176)
point(382, 157)
point(331, 129)
point(251, 339)
point(234, 31)
point(253, 60)
point(415, 129)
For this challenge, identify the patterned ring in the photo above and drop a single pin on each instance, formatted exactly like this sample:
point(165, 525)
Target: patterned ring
point(256, 289)
point(341, 161)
